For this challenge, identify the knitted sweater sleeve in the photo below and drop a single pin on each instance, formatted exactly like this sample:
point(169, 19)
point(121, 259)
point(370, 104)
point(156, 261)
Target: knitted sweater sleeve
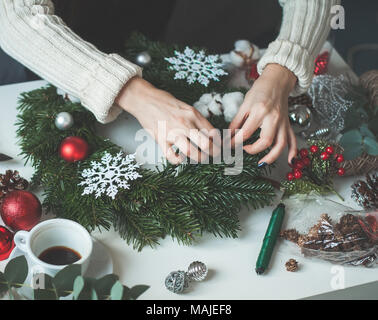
point(304, 29)
point(32, 34)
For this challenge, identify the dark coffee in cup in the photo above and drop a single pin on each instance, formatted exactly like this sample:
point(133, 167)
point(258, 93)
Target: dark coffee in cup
point(59, 256)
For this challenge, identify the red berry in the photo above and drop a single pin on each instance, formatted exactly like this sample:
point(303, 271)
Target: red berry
point(297, 174)
point(298, 164)
point(303, 153)
point(341, 171)
point(339, 158)
point(290, 176)
point(329, 150)
point(314, 148)
point(324, 156)
point(306, 162)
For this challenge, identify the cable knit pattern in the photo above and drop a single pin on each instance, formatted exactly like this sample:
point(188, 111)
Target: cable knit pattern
point(32, 34)
point(305, 27)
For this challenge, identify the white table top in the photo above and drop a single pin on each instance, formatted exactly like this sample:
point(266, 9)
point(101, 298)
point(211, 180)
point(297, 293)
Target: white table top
point(231, 261)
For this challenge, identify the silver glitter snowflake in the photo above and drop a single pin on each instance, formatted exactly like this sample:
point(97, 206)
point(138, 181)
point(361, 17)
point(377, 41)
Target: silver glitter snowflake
point(194, 66)
point(110, 175)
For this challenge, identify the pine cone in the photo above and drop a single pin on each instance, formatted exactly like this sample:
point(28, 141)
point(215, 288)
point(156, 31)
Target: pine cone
point(291, 235)
point(10, 181)
point(291, 265)
point(365, 193)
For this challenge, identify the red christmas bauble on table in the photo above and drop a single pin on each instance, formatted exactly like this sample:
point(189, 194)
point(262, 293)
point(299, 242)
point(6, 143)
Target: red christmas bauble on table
point(6, 243)
point(321, 63)
point(73, 149)
point(21, 210)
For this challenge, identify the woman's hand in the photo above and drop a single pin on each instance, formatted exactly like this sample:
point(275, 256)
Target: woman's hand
point(169, 121)
point(266, 106)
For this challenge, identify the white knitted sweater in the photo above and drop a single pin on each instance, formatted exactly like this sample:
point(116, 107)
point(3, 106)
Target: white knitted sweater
point(32, 34)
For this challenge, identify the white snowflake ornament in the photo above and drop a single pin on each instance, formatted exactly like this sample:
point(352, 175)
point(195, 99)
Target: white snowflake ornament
point(110, 175)
point(196, 67)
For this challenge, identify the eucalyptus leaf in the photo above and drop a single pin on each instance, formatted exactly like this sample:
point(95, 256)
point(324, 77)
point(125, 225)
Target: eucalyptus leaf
point(94, 294)
point(16, 271)
point(116, 293)
point(366, 132)
point(371, 146)
point(138, 290)
point(87, 291)
point(48, 292)
point(352, 151)
point(351, 137)
point(104, 285)
point(3, 284)
point(64, 279)
point(78, 286)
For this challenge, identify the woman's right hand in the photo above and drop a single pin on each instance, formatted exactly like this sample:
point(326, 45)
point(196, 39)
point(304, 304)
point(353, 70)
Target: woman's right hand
point(182, 124)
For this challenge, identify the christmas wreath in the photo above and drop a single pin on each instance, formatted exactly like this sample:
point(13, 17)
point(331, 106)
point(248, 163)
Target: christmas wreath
point(142, 205)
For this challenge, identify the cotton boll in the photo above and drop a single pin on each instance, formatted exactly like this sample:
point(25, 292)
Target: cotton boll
point(202, 108)
point(206, 98)
point(236, 59)
point(243, 46)
point(215, 106)
point(256, 53)
point(225, 58)
point(231, 103)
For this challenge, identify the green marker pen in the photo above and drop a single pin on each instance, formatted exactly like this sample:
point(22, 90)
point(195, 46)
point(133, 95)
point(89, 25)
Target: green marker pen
point(270, 238)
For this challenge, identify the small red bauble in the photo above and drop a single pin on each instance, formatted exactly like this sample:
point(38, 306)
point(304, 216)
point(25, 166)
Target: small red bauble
point(298, 164)
point(290, 176)
point(329, 150)
point(314, 148)
point(324, 156)
point(73, 149)
point(321, 63)
point(341, 171)
point(303, 153)
point(339, 158)
point(297, 174)
point(21, 210)
point(6, 243)
point(306, 162)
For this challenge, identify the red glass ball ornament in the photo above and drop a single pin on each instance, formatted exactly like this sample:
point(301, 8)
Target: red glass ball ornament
point(329, 150)
point(74, 149)
point(314, 148)
point(339, 158)
point(6, 243)
point(290, 176)
point(306, 162)
point(21, 210)
point(341, 171)
point(303, 153)
point(297, 174)
point(324, 156)
point(321, 63)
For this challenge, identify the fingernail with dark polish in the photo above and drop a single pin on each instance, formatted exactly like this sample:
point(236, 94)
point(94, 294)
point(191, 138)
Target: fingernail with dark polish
point(262, 164)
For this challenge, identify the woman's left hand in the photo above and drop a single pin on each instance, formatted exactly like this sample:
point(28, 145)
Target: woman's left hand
point(266, 106)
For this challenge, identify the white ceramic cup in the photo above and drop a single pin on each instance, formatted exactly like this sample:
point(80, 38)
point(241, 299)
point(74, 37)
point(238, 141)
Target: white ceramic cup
point(52, 233)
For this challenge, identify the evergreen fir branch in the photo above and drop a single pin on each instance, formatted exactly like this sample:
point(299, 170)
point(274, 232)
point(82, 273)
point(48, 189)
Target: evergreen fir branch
point(182, 201)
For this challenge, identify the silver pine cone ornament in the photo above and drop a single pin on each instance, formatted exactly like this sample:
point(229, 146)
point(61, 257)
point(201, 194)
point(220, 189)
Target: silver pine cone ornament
point(178, 281)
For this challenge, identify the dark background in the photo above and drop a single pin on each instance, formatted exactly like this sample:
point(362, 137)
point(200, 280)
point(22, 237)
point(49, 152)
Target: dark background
point(215, 24)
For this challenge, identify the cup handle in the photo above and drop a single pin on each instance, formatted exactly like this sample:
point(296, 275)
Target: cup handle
point(21, 238)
